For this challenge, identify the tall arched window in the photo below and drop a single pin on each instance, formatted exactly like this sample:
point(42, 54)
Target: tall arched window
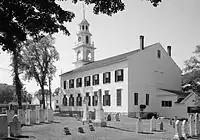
point(89, 55)
point(71, 100)
point(82, 27)
point(87, 40)
point(86, 27)
point(79, 100)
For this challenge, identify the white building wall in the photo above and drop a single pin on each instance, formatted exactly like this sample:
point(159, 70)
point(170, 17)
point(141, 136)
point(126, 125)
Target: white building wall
point(112, 87)
point(147, 73)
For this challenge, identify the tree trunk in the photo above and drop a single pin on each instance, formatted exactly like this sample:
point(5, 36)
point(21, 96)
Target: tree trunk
point(50, 92)
point(17, 82)
point(43, 98)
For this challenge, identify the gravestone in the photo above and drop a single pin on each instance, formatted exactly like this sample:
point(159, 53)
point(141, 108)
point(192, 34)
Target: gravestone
point(175, 118)
point(50, 115)
point(91, 127)
point(139, 126)
point(117, 117)
point(80, 130)
point(109, 117)
point(27, 117)
point(66, 130)
point(42, 115)
point(191, 125)
point(33, 116)
point(170, 121)
point(185, 129)
point(85, 110)
point(161, 123)
point(178, 132)
point(15, 127)
point(197, 133)
point(46, 115)
point(37, 113)
point(10, 114)
point(153, 124)
point(3, 126)
point(99, 114)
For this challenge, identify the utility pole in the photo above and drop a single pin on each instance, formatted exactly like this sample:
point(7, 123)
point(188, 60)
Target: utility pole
point(50, 90)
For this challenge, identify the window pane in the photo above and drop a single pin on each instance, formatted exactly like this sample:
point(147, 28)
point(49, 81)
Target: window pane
point(119, 97)
point(147, 99)
point(136, 98)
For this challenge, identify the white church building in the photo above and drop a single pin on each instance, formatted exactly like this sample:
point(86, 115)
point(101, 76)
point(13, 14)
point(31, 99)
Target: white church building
point(147, 76)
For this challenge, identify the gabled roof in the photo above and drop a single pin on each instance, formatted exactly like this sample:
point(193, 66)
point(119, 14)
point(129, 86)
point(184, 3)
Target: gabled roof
point(105, 62)
point(189, 95)
point(177, 92)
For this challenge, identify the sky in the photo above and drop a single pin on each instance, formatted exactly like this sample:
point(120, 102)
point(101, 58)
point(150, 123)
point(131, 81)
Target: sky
point(173, 22)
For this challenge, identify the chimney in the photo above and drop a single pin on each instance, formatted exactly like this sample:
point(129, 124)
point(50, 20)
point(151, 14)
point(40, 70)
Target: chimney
point(169, 50)
point(141, 42)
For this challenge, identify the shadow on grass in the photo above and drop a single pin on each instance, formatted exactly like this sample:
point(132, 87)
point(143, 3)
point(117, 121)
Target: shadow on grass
point(119, 129)
point(194, 137)
point(160, 130)
point(147, 133)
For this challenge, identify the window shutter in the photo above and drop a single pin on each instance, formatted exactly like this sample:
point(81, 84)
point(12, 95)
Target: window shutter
point(103, 100)
point(109, 100)
point(109, 77)
point(80, 101)
point(93, 80)
point(115, 76)
point(104, 78)
point(92, 100)
point(122, 74)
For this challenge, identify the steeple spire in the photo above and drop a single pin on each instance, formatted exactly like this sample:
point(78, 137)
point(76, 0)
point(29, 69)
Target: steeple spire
point(83, 11)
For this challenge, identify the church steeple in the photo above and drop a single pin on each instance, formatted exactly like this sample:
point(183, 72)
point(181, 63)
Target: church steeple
point(84, 48)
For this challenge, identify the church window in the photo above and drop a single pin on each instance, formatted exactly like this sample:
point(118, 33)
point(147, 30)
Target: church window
point(86, 27)
point(87, 39)
point(78, 82)
point(71, 100)
point(71, 83)
point(119, 97)
point(79, 55)
point(95, 79)
point(64, 85)
point(158, 53)
point(89, 55)
point(136, 98)
point(166, 103)
point(87, 81)
point(88, 96)
point(106, 98)
point(79, 100)
point(119, 75)
point(106, 77)
point(147, 99)
point(95, 99)
point(82, 27)
point(65, 100)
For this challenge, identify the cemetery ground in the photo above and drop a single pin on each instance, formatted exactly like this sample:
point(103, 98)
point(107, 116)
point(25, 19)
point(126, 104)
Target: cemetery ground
point(125, 129)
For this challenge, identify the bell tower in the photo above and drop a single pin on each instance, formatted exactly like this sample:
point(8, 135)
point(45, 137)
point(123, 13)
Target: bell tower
point(84, 48)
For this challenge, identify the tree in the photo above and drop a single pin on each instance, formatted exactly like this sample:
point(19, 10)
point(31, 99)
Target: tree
point(38, 58)
point(191, 77)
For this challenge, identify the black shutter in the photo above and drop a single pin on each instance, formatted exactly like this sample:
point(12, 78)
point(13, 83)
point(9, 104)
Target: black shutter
point(109, 101)
point(122, 75)
point(109, 77)
point(115, 76)
point(104, 100)
point(84, 81)
point(92, 100)
point(104, 78)
point(80, 101)
point(92, 79)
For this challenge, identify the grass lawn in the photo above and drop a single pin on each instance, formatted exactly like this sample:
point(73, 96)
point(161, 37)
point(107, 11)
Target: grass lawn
point(123, 130)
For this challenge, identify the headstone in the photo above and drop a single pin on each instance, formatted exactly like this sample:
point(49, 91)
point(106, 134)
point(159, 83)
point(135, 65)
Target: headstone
point(153, 124)
point(178, 132)
point(99, 114)
point(170, 121)
point(33, 116)
point(50, 115)
point(66, 130)
point(80, 130)
point(191, 125)
point(46, 115)
point(175, 118)
point(109, 117)
point(91, 127)
point(196, 132)
point(27, 117)
point(3, 126)
point(15, 127)
point(10, 114)
point(117, 117)
point(185, 129)
point(42, 115)
point(161, 124)
point(37, 113)
point(139, 125)
point(85, 110)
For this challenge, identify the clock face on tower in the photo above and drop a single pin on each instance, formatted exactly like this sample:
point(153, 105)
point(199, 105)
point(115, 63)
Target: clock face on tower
point(79, 39)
